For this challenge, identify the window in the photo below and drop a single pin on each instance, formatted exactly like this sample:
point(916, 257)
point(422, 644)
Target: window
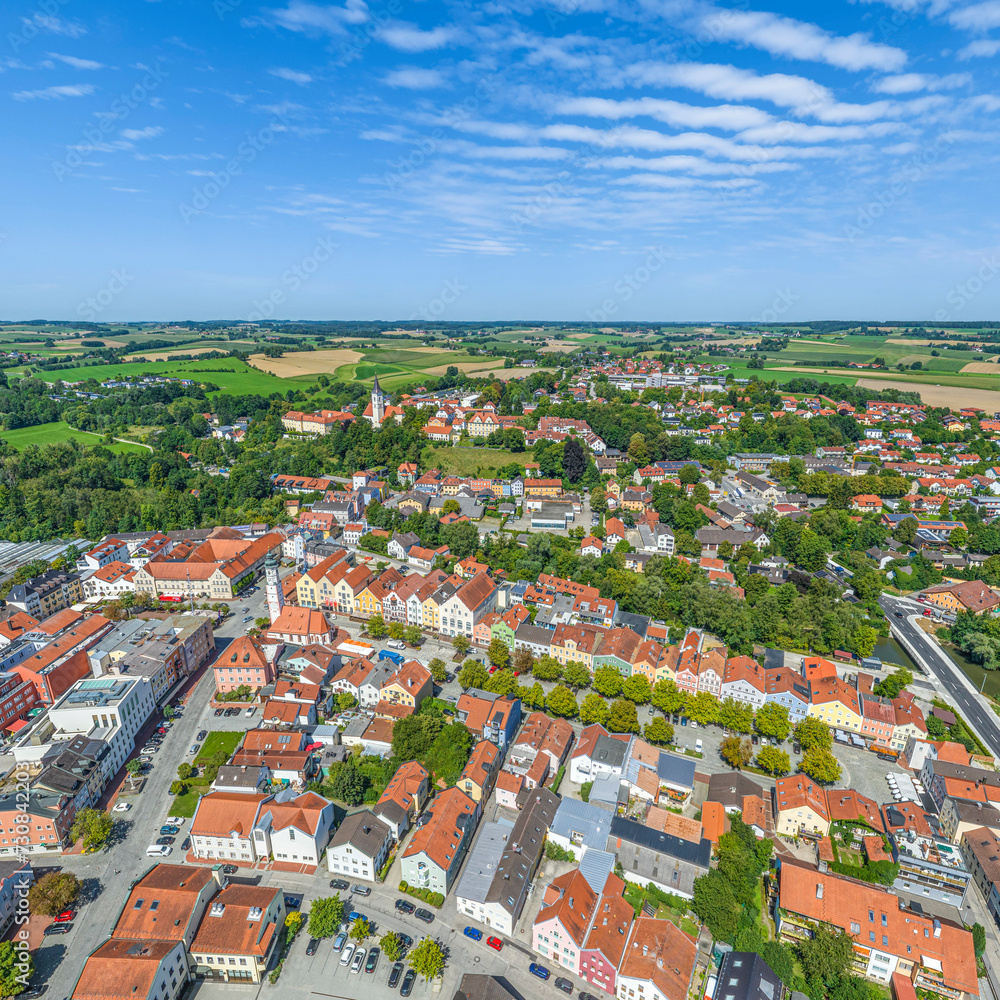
point(885, 920)
point(871, 936)
point(855, 927)
point(885, 940)
point(871, 916)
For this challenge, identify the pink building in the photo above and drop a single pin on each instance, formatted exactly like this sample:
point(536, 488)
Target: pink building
point(605, 944)
point(711, 671)
point(243, 662)
point(560, 929)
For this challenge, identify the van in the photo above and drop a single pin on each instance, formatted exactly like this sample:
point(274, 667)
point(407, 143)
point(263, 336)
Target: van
point(158, 850)
point(697, 746)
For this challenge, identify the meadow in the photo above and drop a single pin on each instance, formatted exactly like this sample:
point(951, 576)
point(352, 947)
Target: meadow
point(467, 461)
point(56, 433)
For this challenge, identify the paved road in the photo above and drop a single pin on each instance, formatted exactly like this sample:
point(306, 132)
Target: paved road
point(934, 659)
point(60, 959)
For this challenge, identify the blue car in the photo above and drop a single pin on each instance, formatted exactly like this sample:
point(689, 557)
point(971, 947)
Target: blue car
point(471, 932)
point(538, 970)
point(353, 915)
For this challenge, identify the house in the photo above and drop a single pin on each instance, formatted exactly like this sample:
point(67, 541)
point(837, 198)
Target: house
point(244, 663)
point(239, 933)
point(744, 975)
point(980, 850)
point(444, 831)
point(560, 928)
point(848, 806)
point(785, 687)
point(658, 962)
point(16, 877)
point(966, 595)
point(294, 831)
point(836, 703)
point(542, 734)
point(598, 752)
point(959, 816)
point(403, 797)
point(800, 805)
point(121, 969)
point(489, 716)
point(360, 846)
point(743, 680)
point(479, 775)
point(670, 862)
point(889, 937)
point(604, 947)
point(223, 824)
point(408, 686)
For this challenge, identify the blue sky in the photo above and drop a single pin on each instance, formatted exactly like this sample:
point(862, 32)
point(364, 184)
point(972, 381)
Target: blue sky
point(565, 159)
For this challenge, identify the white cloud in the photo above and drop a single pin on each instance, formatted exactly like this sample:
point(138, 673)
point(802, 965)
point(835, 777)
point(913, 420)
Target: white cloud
point(293, 75)
point(982, 48)
point(484, 245)
point(787, 37)
point(75, 62)
point(409, 38)
point(55, 93)
point(977, 17)
point(415, 78)
point(55, 25)
point(149, 132)
point(907, 83)
point(311, 18)
point(730, 117)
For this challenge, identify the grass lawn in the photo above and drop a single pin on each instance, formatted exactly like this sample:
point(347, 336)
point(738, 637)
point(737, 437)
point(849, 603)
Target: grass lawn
point(216, 741)
point(468, 461)
point(57, 432)
point(185, 805)
point(240, 379)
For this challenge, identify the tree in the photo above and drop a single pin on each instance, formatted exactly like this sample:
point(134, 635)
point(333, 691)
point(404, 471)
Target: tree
point(349, 784)
point(889, 687)
point(498, 653)
point(735, 751)
point(412, 635)
point(548, 668)
point(813, 733)
point(772, 720)
point(438, 669)
point(502, 682)
point(94, 826)
point(560, 701)
point(178, 788)
point(978, 939)
point(427, 959)
point(622, 717)
point(598, 501)
point(473, 675)
point(360, 929)
point(52, 893)
point(396, 631)
point(827, 955)
point(184, 771)
point(636, 688)
point(735, 715)
point(346, 700)
point(16, 969)
point(667, 697)
point(460, 644)
point(659, 731)
point(574, 460)
point(637, 450)
point(392, 946)
point(451, 506)
point(820, 765)
point(376, 627)
point(575, 675)
point(716, 903)
point(594, 709)
point(607, 681)
point(326, 916)
point(524, 662)
point(703, 708)
point(773, 760)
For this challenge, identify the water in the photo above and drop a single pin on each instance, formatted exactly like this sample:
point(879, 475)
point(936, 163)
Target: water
point(890, 651)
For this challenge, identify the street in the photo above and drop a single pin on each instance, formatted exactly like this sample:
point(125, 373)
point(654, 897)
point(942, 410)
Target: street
point(935, 660)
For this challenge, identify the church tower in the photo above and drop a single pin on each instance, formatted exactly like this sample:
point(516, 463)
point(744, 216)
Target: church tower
point(379, 400)
point(275, 595)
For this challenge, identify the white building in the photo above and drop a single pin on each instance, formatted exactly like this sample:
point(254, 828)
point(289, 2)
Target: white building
point(360, 846)
point(294, 831)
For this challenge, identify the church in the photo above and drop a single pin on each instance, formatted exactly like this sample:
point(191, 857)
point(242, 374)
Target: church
point(379, 410)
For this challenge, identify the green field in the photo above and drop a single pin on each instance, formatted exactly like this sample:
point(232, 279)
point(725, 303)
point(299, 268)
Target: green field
point(468, 461)
point(57, 432)
point(218, 740)
point(240, 378)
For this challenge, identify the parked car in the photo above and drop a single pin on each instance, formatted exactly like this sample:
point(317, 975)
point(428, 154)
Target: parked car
point(65, 917)
point(312, 946)
point(121, 807)
point(407, 988)
point(355, 915)
point(394, 973)
point(361, 890)
point(195, 747)
point(406, 940)
point(58, 929)
point(229, 869)
point(186, 846)
point(359, 960)
point(348, 954)
point(495, 943)
point(167, 831)
point(250, 711)
point(201, 735)
point(339, 883)
point(425, 915)
point(164, 840)
point(175, 820)
point(158, 850)
point(372, 962)
point(471, 932)
point(402, 906)
point(219, 712)
point(339, 941)
point(564, 984)
point(396, 644)
point(293, 902)
point(538, 970)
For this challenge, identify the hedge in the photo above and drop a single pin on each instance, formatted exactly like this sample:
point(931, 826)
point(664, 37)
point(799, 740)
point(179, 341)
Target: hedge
point(432, 898)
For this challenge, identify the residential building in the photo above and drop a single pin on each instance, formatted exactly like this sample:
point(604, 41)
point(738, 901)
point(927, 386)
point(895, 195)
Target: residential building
point(46, 594)
point(744, 975)
point(560, 928)
point(434, 854)
point(223, 824)
point(836, 703)
point(408, 686)
point(958, 816)
point(479, 775)
point(604, 947)
point(744, 681)
point(542, 734)
point(973, 596)
point(16, 877)
point(800, 806)
point(244, 663)
point(403, 797)
point(489, 716)
point(295, 830)
point(359, 846)
point(981, 852)
point(647, 855)
point(658, 963)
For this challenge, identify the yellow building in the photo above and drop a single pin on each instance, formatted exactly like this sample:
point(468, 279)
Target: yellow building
point(836, 703)
point(317, 587)
point(480, 774)
point(576, 644)
point(408, 686)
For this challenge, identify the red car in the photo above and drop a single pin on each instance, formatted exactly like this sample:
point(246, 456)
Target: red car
point(65, 917)
point(495, 943)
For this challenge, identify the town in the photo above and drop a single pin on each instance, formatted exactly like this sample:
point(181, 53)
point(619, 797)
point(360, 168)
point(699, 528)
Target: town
point(613, 717)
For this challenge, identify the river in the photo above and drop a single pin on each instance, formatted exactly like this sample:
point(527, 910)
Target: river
point(889, 651)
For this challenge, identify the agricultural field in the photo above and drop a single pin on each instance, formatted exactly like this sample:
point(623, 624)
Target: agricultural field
point(56, 433)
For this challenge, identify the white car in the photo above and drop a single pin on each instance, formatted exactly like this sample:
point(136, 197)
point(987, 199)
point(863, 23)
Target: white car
point(347, 955)
point(174, 821)
point(158, 850)
point(395, 644)
point(122, 807)
point(359, 960)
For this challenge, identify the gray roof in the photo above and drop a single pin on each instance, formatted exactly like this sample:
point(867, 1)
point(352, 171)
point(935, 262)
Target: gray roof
point(607, 788)
point(609, 751)
point(239, 776)
point(595, 867)
point(628, 831)
point(480, 868)
point(579, 821)
point(524, 848)
point(728, 789)
point(363, 831)
point(744, 975)
point(477, 987)
point(676, 770)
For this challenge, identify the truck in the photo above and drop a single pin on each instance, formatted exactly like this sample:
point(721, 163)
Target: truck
point(388, 654)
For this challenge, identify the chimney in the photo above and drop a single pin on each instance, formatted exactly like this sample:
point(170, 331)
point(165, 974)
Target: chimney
point(819, 890)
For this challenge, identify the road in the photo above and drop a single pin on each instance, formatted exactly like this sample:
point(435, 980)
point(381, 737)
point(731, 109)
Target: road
point(936, 661)
point(60, 959)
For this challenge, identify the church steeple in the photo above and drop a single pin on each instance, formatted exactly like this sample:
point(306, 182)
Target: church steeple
point(378, 404)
